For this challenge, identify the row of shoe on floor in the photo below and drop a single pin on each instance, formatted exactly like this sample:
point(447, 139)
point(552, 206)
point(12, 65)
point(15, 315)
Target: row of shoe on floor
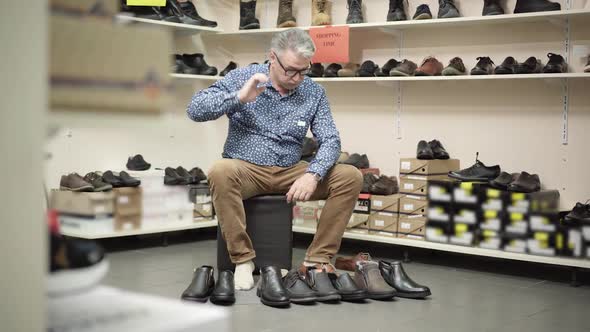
point(432, 67)
point(381, 280)
point(320, 11)
point(105, 181)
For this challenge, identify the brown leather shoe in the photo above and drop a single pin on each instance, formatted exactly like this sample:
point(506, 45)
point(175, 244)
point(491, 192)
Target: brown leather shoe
point(430, 67)
point(368, 276)
point(349, 263)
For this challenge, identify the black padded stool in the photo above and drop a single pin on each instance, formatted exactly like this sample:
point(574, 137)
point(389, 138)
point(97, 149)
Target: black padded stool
point(269, 221)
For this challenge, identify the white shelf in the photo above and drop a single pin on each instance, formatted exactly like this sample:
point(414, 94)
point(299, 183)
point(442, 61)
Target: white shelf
point(178, 28)
point(417, 78)
point(563, 261)
point(171, 228)
point(438, 23)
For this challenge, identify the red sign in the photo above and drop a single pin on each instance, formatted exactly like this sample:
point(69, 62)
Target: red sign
point(332, 44)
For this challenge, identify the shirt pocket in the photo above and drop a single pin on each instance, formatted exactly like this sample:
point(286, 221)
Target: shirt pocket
point(297, 128)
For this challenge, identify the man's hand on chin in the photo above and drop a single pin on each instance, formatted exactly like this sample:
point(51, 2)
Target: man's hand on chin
point(303, 188)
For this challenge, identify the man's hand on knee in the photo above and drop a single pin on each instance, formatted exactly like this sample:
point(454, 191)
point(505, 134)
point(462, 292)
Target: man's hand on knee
point(303, 188)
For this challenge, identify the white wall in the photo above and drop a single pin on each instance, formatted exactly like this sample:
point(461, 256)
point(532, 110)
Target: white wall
point(23, 82)
point(516, 124)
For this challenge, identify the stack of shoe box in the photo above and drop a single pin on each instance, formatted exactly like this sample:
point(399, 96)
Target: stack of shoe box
point(415, 175)
point(128, 208)
point(359, 220)
point(200, 195)
point(384, 215)
point(163, 205)
point(307, 214)
point(85, 212)
point(96, 63)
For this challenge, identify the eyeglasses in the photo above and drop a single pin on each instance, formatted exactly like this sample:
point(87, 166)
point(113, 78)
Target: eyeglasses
point(292, 73)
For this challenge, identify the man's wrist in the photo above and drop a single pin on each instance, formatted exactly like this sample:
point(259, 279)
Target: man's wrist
point(316, 176)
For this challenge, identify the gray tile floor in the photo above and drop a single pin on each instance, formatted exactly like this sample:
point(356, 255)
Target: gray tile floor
point(467, 296)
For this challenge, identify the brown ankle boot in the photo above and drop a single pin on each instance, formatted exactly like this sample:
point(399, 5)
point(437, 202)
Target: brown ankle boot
point(320, 10)
point(286, 18)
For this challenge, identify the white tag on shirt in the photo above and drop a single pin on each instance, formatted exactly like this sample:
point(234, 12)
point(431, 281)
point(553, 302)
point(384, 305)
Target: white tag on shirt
point(301, 123)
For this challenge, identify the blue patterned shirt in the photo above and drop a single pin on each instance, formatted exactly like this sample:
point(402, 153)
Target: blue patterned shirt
point(270, 130)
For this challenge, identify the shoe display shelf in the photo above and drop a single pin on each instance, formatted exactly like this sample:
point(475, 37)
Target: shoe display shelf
point(172, 227)
point(557, 17)
point(561, 261)
point(178, 28)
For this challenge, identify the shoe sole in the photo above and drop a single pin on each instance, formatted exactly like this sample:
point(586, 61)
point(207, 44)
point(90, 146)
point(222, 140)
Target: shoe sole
point(145, 168)
point(493, 13)
point(479, 72)
point(222, 299)
point(451, 14)
point(417, 295)
point(354, 297)
point(394, 72)
point(288, 24)
point(304, 300)
point(103, 188)
point(382, 296)
point(459, 177)
point(79, 189)
point(74, 280)
point(451, 72)
point(194, 299)
point(329, 298)
point(423, 17)
point(278, 304)
point(250, 26)
point(503, 71)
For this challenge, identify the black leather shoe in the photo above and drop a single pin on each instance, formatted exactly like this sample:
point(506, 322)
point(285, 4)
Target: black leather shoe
point(357, 160)
point(112, 179)
point(172, 178)
point(556, 64)
point(183, 173)
point(396, 277)
point(128, 180)
point(532, 65)
point(224, 292)
point(492, 7)
point(270, 288)
point(248, 19)
point(529, 6)
point(525, 183)
point(332, 70)
point(197, 60)
point(198, 174)
point(317, 70)
point(346, 287)
point(193, 17)
point(388, 66)
point(424, 151)
point(367, 69)
point(503, 180)
point(438, 150)
point(477, 172)
point(580, 214)
point(320, 282)
point(231, 66)
point(297, 289)
point(201, 286)
point(137, 163)
point(166, 14)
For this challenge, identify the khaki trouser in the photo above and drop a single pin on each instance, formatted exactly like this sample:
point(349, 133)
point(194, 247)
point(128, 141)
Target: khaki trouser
point(233, 180)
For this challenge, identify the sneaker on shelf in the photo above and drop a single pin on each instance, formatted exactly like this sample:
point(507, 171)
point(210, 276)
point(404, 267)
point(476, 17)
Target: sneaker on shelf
point(525, 183)
point(477, 172)
point(447, 9)
point(422, 13)
point(187, 13)
point(128, 180)
point(74, 182)
point(231, 66)
point(530, 6)
point(484, 66)
point(430, 67)
point(405, 68)
point(492, 7)
point(396, 11)
point(320, 10)
point(112, 179)
point(96, 181)
point(532, 65)
point(183, 173)
point(508, 66)
point(355, 12)
point(556, 64)
point(332, 70)
point(456, 67)
point(137, 163)
point(74, 265)
point(367, 69)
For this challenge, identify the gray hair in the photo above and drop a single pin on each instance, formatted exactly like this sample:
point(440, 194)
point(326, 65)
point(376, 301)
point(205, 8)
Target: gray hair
point(295, 40)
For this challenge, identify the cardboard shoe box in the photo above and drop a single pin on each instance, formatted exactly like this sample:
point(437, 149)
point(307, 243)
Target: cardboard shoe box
point(203, 211)
point(417, 184)
point(356, 219)
point(463, 234)
point(441, 191)
point(127, 222)
point(516, 223)
point(95, 64)
point(411, 204)
point(428, 167)
point(543, 223)
point(542, 243)
point(83, 204)
point(388, 203)
point(489, 239)
point(435, 233)
point(128, 201)
point(491, 220)
point(411, 227)
point(383, 221)
point(199, 194)
point(440, 213)
point(363, 204)
point(466, 216)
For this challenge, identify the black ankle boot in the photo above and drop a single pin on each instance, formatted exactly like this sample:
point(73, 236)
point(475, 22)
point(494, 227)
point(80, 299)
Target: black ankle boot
point(193, 17)
point(355, 12)
point(396, 11)
point(492, 7)
point(248, 19)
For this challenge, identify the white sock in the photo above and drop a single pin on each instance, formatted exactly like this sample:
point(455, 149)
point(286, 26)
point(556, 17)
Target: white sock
point(243, 277)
